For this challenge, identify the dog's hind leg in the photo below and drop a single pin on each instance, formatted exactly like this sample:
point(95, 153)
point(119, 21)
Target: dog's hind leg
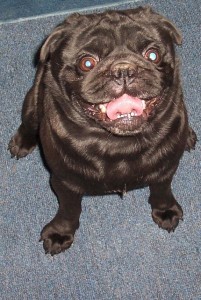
point(26, 137)
point(191, 140)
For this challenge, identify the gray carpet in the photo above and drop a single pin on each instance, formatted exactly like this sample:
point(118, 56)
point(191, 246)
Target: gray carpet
point(12, 9)
point(118, 253)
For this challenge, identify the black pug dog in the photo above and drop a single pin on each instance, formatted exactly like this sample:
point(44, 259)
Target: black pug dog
point(107, 107)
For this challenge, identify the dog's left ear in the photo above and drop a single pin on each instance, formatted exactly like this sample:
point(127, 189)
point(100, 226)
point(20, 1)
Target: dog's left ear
point(174, 33)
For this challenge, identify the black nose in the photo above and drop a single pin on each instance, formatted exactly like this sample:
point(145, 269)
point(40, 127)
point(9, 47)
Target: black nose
point(123, 73)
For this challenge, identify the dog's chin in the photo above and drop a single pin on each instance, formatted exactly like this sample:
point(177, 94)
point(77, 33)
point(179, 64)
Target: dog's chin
point(126, 124)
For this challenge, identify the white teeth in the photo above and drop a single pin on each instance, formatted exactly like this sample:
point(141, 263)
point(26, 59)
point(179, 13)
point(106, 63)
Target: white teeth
point(102, 108)
point(132, 114)
point(143, 104)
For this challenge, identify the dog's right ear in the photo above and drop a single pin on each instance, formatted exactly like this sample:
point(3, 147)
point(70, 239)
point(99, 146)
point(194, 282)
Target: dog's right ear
point(51, 43)
point(56, 36)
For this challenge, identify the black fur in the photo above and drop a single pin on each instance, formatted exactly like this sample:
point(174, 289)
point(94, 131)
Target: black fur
point(87, 153)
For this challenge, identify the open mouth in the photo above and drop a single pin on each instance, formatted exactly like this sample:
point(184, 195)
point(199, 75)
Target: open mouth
point(122, 115)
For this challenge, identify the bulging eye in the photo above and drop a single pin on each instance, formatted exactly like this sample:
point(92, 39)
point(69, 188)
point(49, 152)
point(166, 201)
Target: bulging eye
point(153, 55)
point(87, 63)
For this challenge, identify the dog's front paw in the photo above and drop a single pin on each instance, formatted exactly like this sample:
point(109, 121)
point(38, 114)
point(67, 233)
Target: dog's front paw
point(20, 145)
point(56, 238)
point(168, 219)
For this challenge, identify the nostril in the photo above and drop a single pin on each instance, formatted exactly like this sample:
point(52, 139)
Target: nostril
point(132, 72)
point(123, 73)
point(117, 73)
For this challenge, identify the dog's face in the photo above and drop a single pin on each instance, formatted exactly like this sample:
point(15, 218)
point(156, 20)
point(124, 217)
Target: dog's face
point(115, 67)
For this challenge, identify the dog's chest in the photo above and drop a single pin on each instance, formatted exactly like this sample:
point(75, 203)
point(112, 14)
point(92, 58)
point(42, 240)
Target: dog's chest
point(97, 164)
point(118, 173)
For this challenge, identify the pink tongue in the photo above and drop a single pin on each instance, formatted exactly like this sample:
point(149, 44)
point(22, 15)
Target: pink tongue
point(124, 105)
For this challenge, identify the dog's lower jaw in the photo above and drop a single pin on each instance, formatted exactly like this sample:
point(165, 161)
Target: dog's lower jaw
point(123, 132)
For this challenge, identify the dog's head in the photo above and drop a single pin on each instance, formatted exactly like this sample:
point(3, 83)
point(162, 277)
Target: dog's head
point(114, 66)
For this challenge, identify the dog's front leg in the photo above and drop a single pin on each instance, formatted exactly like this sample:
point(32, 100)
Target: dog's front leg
point(58, 235)
point(166, 212)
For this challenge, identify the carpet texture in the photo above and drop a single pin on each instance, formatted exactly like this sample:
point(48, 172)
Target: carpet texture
point(12, 9)
point(118, 253)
